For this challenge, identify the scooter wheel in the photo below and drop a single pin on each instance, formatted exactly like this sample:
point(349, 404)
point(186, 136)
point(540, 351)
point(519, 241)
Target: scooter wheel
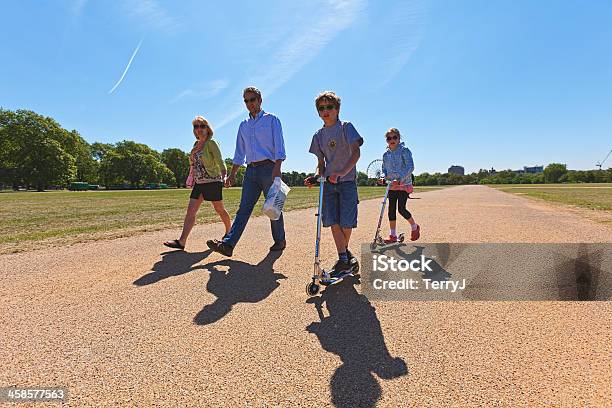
point(355, 268)
point(400, 238)
point(312, 289)
point(373, 246)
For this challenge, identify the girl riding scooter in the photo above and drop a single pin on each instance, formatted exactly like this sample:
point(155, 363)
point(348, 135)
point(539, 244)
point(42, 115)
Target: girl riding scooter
point(398, 166)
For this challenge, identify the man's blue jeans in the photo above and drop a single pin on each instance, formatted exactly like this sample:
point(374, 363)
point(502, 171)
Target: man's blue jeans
point(256, 180)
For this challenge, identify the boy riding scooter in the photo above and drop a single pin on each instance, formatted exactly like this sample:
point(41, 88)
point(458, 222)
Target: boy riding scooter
point(337, 147)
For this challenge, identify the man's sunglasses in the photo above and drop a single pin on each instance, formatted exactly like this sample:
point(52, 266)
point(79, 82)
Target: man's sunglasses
point(326, 107)
point(199, 126)
point(389, 138)
point(253, 99)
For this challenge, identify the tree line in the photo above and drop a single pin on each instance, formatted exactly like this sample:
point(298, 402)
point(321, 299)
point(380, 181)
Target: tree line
point(553, 173)
point(36, 152)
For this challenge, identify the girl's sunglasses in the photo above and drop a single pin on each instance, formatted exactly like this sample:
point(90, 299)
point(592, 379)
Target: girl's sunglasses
point(389, 138)
point(199, 126)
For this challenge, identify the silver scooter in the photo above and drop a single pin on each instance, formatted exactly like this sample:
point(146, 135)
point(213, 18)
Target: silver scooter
point(378, 240)
point(320, 276)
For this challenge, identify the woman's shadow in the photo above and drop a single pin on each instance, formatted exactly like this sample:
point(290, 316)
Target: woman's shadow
point(352, 331)
point(242, 282)
point(173, 263)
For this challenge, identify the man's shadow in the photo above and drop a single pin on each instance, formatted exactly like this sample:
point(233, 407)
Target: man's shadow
point(173, 263)
point(242, 282)
point(352, 331)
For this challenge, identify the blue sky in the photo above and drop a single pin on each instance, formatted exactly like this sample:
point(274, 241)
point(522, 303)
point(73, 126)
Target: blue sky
point(475, 83)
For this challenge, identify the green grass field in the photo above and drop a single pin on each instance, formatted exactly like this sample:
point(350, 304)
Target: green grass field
point(30, 220)
point(592, 196)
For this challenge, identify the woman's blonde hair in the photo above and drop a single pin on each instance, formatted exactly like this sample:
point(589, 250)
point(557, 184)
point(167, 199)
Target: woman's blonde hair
point(202, 119)
point(394, 131)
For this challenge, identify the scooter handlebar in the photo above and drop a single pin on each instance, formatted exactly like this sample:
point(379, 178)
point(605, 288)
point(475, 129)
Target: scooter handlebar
point(312, 180)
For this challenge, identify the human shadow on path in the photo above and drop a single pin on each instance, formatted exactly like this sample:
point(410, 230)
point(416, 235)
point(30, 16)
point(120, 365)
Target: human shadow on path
point(173, 263)
point(242, 283)
point(352, 331)
point(581, 277)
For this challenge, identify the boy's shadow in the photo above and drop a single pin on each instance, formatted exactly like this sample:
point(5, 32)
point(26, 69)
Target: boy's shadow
point(242, 282)
point(352, 331)
point(173, 263)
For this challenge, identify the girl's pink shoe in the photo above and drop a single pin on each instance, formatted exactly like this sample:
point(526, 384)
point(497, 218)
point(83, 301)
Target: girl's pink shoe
point(391, 240)
point(416, 233)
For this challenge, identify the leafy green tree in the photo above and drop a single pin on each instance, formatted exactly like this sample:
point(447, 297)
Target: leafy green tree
point(49, 164)
point(294, 178)
point(553, 172)
point(133, 163)
point(239, 174)
point(76, 146)
point(167, 176)
point(8, 149)
point(28, 141)
point(178, 162)
point(99, 150)
point(362, 179)
point(110, 173)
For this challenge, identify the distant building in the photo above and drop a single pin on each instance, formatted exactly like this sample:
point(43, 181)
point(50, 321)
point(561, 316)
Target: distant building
point(530, 170)
point(457, 170)
point(534, 169)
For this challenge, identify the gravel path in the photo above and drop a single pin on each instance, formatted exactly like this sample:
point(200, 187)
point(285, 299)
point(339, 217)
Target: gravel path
point(122, 322)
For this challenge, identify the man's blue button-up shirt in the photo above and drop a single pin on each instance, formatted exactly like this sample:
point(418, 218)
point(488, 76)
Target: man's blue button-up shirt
point(259, 138)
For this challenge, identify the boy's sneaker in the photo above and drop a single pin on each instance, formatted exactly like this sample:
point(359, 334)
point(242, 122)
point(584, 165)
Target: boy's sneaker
point(341, 268)
point(220, 246)
point(391, 240)
point(416, 233)
point(351, 257)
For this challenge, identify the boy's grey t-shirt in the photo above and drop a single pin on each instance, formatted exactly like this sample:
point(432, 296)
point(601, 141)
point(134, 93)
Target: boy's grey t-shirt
point(334, 145)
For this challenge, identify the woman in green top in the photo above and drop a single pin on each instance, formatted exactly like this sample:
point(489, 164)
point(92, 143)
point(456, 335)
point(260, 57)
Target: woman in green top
point(207, 175)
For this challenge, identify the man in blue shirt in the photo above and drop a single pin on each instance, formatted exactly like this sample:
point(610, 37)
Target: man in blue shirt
point(260, 144)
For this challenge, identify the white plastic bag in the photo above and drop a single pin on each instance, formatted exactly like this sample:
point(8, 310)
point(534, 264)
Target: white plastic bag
point(275, 200)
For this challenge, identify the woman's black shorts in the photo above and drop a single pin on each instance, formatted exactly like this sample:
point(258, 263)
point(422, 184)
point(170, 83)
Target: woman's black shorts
point(210, 191)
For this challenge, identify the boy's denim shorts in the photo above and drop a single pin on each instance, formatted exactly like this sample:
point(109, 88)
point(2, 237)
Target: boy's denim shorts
point(340, 204)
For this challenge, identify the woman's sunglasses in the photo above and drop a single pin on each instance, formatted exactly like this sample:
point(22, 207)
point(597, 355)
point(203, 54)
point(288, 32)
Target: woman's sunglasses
point(326, 107)
point(199, 126)
point(252, 99)
point(389, 138)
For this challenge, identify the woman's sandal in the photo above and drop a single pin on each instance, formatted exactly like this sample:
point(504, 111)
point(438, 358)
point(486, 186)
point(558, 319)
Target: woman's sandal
point(175, 244)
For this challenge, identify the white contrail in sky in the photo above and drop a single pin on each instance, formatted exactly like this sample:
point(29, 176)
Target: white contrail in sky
point(299, 48)
point(126, 69)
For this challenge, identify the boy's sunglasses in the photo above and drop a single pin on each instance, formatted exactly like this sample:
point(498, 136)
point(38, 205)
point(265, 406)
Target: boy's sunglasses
point(389, 138)
point(326, 107)
point(252, 99)
point(199, 126)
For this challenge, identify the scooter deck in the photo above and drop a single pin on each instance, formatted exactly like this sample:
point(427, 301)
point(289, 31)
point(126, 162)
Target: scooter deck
point(378, 244)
